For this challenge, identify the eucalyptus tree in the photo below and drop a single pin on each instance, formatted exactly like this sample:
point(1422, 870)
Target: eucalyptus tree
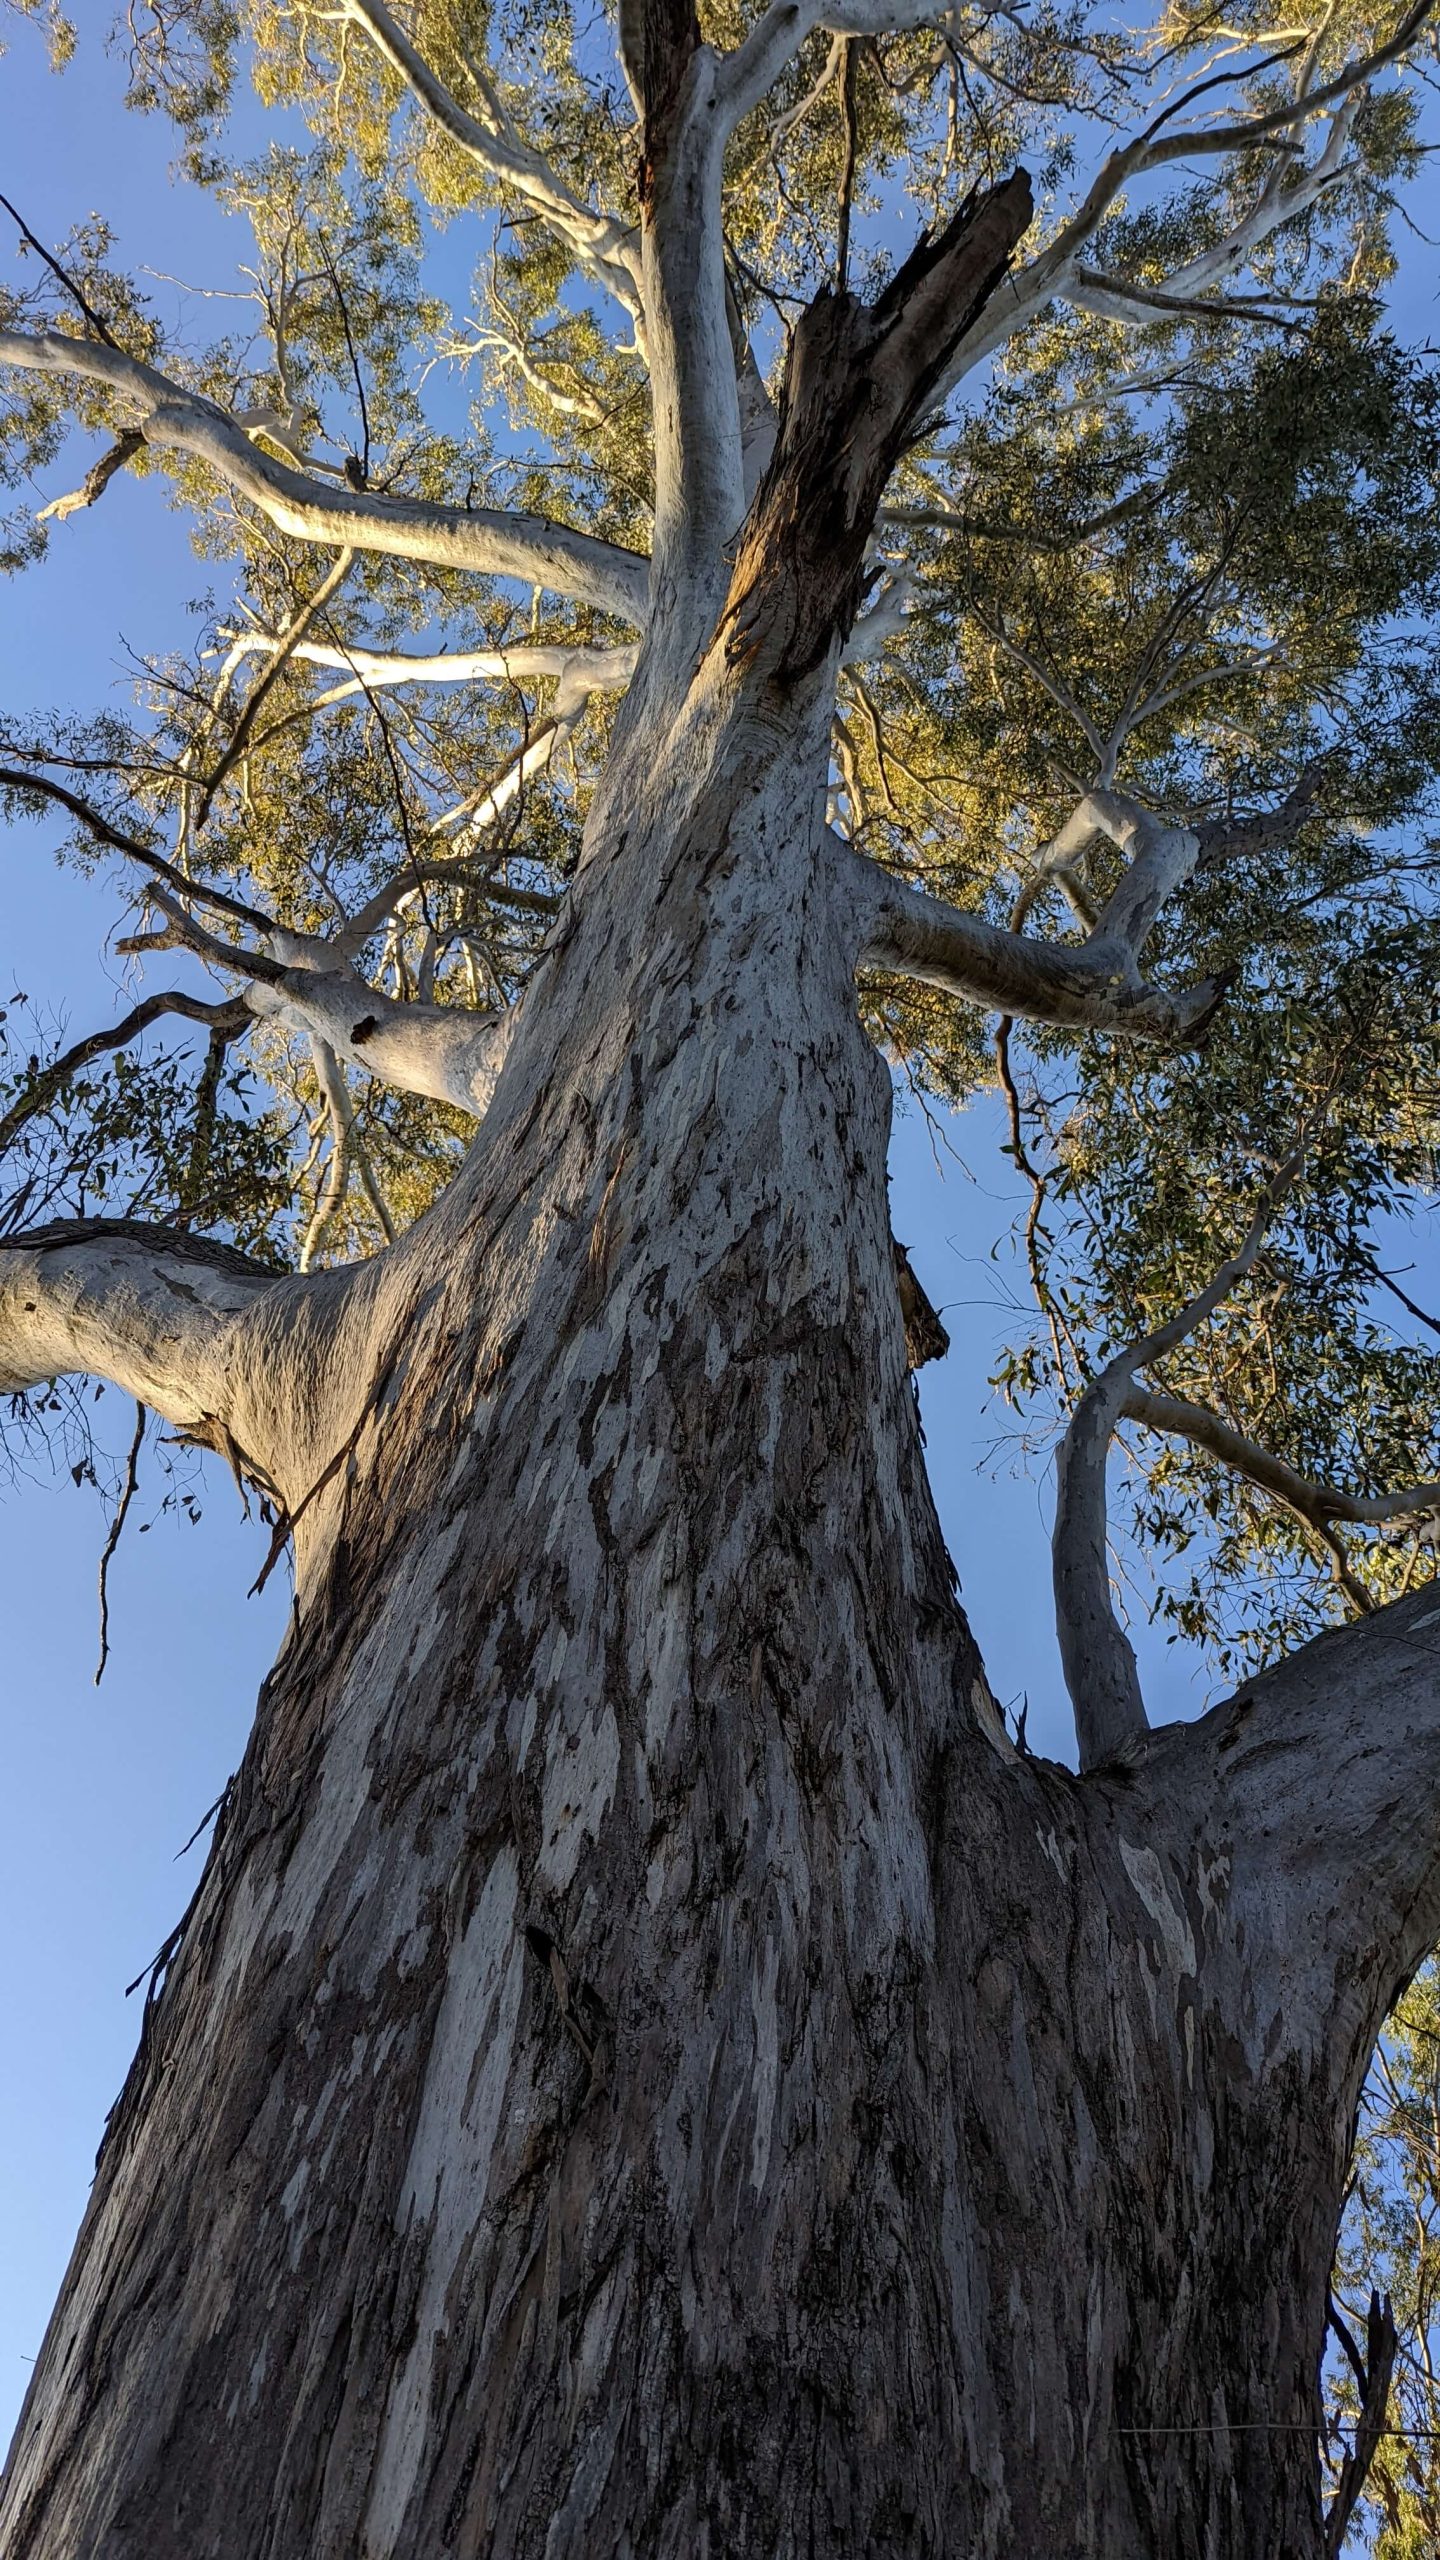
point(918, 548)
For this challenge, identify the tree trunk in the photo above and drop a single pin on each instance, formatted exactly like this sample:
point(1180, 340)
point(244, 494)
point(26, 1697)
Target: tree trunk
point(648, 2070)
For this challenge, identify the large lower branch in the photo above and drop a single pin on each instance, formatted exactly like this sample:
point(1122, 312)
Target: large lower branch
point(150, 1308)
point(169, 418)
point(1321, 1783)
point(1085, 988)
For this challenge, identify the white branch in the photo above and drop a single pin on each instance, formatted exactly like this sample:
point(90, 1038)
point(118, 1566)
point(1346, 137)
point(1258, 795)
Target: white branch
point(605, 247)
point(1315, 1503)
point(439, 1050)
point(1161, 861)
point(695, 393)
point(1086, 987)
point(150, 1308)
point(1098, 1658)
point(442, 1051)
point(574, 669)
point(499, 544)
point(1055, 273)
point(883, 622)
point(748, 75)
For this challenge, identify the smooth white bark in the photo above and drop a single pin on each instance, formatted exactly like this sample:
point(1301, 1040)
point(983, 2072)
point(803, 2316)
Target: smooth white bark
point(576, 671)
point(1098, 1658)
point(438, 1050)
point(1086, 986)
point(169, 418)
point(1312, 1501)
point(149, 1308)
point(605, 247)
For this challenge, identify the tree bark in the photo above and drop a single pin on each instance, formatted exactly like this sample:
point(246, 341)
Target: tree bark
point(648, 2068)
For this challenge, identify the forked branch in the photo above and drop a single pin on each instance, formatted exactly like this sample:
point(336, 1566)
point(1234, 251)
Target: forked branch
point(443, 1052)
point(603, 246)
point(1101, 1673)
point(492, 541)
point(1318, 1506)
point(1080, 986)
point(1056, 273)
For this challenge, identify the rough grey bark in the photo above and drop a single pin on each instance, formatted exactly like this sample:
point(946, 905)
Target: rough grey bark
point(648, 2068)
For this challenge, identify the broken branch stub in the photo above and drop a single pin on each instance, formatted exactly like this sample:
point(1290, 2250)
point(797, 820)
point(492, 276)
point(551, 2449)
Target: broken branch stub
point(858, 380)
point(669, 34)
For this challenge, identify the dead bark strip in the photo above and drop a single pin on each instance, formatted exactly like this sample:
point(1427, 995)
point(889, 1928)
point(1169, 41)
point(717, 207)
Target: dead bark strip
point(857, 381)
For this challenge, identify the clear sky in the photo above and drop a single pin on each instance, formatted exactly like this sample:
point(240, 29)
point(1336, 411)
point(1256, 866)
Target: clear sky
point(100, 1788)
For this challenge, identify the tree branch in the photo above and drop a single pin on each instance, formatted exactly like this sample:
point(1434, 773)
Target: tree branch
point(1050, 275)
point(1098, 1658)
point(1162, 859)
point(497, 544)
point(288, 642)
point(114, 1535)
point(120, 841)
point(748, 75)
point(439, 1050)
point(1318, 1506)
point(695, 396)
point(603, 246)
point(1266, 830)
point(1079, 987)
point(97, 1044)
point(151, 1308)
point(1373, 2376)
point(97, 479)
point(576, 669)
point(442, 1051)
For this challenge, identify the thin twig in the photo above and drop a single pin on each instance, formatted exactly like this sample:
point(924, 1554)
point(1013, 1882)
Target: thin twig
point(288, 643)
point(86, 309)
point(847, 170)
point(127, 1496)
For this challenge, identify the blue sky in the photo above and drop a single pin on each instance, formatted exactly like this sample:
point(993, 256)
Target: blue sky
point(101, 1788)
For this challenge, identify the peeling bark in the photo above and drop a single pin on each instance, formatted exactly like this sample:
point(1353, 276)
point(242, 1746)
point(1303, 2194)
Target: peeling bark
point(648, 2068)
point(857, 379)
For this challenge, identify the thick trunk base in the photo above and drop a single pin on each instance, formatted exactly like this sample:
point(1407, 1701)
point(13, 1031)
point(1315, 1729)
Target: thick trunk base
point(648, 2071)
